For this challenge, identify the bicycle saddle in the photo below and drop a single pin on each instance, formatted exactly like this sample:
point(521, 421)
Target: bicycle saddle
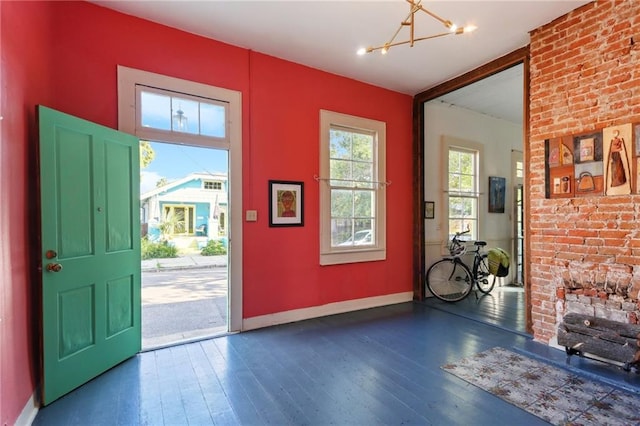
point(480, 243)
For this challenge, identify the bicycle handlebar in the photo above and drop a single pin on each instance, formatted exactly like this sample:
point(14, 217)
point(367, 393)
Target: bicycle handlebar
point(458, 234)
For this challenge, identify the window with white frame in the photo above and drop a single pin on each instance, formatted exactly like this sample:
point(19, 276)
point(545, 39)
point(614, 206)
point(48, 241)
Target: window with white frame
point(462, 190)
point(213, 185)
point(519, 169)
point(352, 189)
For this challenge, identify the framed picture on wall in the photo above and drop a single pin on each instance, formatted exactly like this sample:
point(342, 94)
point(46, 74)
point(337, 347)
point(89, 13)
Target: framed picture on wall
point(286, 203)
point(497, 193)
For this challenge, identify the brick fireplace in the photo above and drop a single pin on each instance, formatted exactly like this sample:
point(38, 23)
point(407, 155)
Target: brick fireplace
point(609, 295)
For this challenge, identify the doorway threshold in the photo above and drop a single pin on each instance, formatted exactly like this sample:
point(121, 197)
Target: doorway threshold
point(163, 342)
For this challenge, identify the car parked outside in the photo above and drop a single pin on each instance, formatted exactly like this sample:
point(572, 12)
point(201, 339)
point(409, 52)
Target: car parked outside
point(359, 238)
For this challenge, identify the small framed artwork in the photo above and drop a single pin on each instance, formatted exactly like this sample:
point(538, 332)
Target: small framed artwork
point(616, 155)
point(429, 209)
point(286, 203)
point(497, 192)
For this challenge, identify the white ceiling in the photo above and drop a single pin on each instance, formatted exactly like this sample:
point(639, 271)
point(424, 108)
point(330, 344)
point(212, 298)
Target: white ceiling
point(498, 96)
point(326, 34)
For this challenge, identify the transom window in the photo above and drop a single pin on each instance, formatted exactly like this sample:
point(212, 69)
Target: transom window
point(195, 119)
point(352, 189)
point(463, 191)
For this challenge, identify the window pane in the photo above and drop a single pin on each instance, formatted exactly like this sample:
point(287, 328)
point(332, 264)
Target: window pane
point(461, 225)
point(185, 116)
point(455, 207)
point(466, 163)
point(467, 207)
point(340, 144)
point(466, 183)
point(454, 162)
point(363, 204)
point(341, 203)
point(155, 111)
point(340, 171)
point(454, 182)
point(455, 225)
point(352, 233)
point(341, 230)
point(362, 147)
point(362, 172)
point(213, 120)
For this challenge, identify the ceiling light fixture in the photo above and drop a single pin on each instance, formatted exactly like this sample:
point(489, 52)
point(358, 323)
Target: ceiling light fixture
point(409, 21)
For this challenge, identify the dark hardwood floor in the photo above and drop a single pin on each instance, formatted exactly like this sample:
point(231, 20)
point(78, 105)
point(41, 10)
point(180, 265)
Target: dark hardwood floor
point(371, 367)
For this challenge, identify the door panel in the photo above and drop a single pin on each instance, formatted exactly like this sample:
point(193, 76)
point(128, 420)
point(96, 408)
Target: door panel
point(119, 193)
point(89, 185)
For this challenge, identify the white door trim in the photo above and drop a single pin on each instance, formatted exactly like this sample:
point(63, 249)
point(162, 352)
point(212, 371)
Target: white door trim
point(127, 80)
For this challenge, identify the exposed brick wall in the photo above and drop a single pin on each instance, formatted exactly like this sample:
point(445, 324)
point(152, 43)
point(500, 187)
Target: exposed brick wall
point(585, 252)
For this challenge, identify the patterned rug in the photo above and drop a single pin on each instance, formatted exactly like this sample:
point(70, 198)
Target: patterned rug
point(551, 393)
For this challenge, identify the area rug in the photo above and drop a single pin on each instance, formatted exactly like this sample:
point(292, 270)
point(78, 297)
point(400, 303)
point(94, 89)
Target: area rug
point(551, 393)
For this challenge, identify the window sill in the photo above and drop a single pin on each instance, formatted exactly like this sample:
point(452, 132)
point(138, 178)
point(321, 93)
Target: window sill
point(352, 256)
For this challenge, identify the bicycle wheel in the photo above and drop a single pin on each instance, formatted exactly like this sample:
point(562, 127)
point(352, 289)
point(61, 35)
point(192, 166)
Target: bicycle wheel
point(449, 280)
point(485, 281)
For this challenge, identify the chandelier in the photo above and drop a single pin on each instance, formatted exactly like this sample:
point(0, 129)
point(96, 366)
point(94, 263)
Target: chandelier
point(409, 21)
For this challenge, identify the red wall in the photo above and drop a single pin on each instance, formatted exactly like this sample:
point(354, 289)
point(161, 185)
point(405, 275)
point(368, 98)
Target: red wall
point(282, 269)
point(25, 34)
point(64, 55)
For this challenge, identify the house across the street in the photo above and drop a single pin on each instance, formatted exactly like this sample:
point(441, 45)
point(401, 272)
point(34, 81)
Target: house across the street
point(190, 209)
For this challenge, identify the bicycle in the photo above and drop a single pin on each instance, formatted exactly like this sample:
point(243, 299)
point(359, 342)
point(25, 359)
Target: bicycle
point(451, 280)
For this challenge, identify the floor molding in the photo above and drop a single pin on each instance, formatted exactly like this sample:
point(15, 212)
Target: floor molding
point(29, 412)
point(324, 310)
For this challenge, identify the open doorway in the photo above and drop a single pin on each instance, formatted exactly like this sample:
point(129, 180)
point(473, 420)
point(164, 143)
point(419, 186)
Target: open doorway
point(483, 118)
point(184, 213)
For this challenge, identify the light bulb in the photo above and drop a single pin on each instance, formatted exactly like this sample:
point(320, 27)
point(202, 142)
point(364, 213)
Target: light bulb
point(362, 51)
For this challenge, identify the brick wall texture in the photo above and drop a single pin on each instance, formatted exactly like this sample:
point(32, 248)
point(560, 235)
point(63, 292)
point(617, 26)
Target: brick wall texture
point(584, 252)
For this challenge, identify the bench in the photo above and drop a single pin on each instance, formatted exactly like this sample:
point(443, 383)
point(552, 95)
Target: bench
point(608, 340)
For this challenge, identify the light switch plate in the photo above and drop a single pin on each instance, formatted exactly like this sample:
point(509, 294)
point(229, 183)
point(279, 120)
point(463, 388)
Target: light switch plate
point(252, 215)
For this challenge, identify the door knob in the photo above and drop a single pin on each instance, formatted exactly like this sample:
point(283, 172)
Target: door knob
point(54, 267)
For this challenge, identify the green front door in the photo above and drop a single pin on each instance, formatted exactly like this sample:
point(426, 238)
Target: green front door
point(89, 186)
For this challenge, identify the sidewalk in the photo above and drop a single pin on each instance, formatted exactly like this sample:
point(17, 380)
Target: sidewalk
point(194, 261)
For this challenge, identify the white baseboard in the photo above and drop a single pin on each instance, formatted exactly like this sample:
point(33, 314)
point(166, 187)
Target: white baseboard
point(29, 412)
point(324, 310)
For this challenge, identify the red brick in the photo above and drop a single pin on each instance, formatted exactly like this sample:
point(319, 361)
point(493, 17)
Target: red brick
point(605, 233)
point(569, 240)
point(584, 77)
point(628, 260)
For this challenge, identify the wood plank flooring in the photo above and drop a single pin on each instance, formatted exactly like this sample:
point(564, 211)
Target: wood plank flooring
point(503, 307)
point(373, 367)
